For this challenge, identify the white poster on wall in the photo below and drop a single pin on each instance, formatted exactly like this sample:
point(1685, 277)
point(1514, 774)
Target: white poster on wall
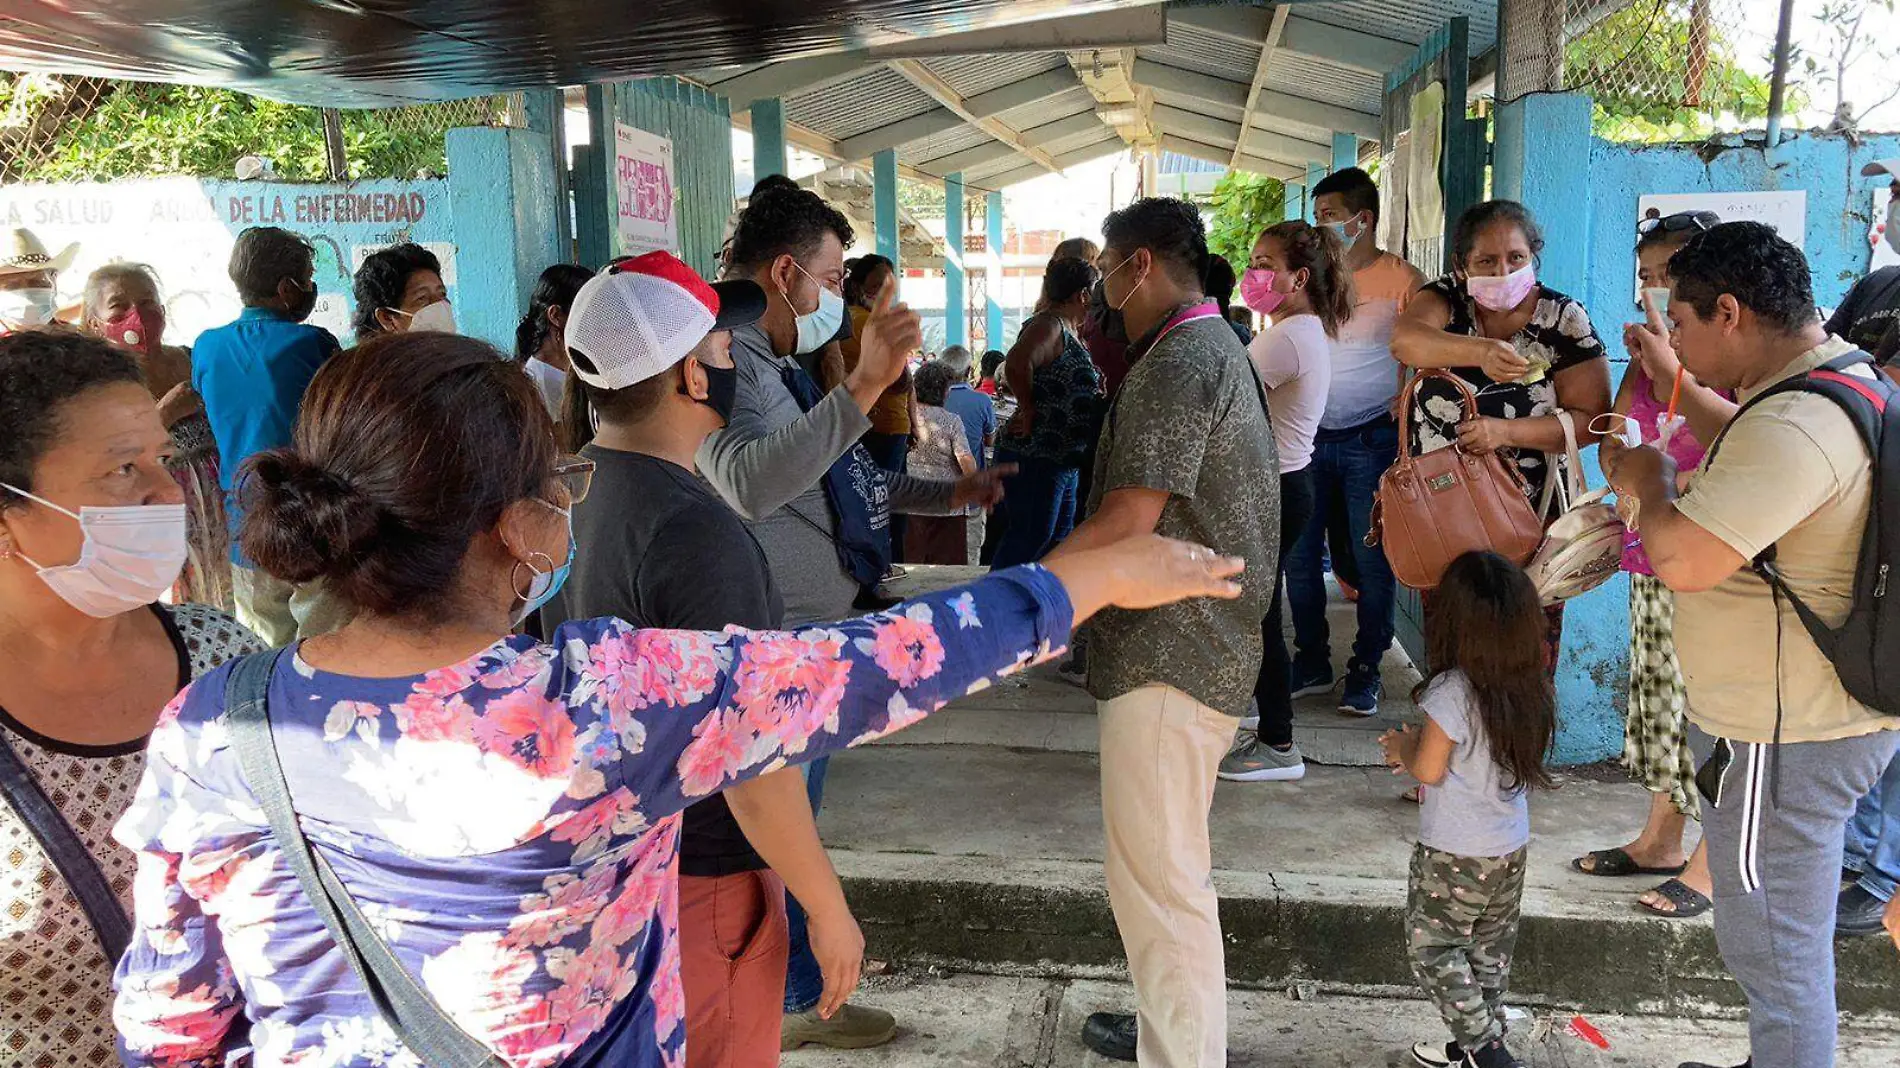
point(1883, 253)
point(643, 187)
point(1785, 210)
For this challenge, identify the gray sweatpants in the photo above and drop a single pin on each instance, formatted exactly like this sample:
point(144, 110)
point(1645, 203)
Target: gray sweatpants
point(1776, 861)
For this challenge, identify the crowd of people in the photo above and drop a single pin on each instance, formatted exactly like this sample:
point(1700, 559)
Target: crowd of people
point(409, 701)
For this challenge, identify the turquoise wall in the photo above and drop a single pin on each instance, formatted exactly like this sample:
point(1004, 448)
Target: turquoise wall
point(1594, 673)
point(700, 125)
point(505, 202)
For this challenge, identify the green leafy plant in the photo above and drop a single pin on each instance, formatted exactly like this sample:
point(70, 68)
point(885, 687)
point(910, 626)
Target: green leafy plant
point(1662, 70)
point(1242, 204)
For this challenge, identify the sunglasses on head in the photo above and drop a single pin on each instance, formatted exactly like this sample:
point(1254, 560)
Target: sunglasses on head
point(1680, 221)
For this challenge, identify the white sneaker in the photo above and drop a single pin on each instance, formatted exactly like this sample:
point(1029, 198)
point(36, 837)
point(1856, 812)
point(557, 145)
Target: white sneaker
point(1251, 721)
point(1255, 761)
point(1437, 1054)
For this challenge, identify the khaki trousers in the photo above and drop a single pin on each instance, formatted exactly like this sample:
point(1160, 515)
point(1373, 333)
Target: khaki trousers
point(1161, 750)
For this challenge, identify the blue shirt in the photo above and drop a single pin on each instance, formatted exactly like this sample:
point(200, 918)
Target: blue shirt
point(978, 413)
point(252, 375)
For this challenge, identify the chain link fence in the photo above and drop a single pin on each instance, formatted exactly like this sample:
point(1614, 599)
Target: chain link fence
point(1658, 70)
point(57, 128)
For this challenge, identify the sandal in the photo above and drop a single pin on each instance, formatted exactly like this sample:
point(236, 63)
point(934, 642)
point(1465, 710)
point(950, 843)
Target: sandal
point(1416, 795)
point(1617, 863)
point(1685, 902)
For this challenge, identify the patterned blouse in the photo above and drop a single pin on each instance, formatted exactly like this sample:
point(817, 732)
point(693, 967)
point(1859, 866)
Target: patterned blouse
point(1068, 407)
point(1558, 337)
point(55, 981)
point(513, 820)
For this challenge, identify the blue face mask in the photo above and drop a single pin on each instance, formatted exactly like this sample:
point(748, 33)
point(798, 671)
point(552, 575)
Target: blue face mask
point(545, 584)
point(817, 327)
point(1346, 240)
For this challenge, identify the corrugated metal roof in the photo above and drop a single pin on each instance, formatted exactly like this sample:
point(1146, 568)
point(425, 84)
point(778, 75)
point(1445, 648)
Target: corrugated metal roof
point(1074, 102)
point(1306, 76)
point(943, 144)
point(970, 75)
point(868, 102)
point(1208, 53)
point(1411, 21)
point(1175, 163)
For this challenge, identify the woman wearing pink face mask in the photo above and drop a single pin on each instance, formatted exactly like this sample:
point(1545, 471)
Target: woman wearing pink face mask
point(1298, 278)
point(1526, 350)
point(121, 305)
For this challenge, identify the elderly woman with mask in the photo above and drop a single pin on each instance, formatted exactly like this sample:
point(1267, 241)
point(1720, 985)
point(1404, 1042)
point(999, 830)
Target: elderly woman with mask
point(92, 533)
point(121, 304)
point(511, 806)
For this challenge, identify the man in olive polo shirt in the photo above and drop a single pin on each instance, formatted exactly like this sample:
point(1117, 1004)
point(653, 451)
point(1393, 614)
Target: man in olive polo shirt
point(1790, 473)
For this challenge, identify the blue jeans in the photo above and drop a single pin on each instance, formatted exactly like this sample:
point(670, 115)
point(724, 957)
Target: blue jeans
point(1346, 464)
point(1041, 500)
point(804, 981)
point(1873, 836)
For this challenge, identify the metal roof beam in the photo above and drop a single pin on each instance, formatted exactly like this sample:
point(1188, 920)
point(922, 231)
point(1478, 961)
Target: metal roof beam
point(1260, 142)
point(1215, 154)
point(1036, 87)
point(1274, 30)
point(1119, 28)
point(790, 78)
point(1061, 129)
point(1049, 83)
point(1348, 48)
point(1106, 147)
point(916, 128)
point(1269, 102)
point(819, 145)
point(939, 90)
point(970, 159)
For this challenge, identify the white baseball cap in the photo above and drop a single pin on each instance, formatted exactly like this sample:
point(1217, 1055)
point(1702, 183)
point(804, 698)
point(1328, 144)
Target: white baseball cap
point(642, 315)
point(1889, 167)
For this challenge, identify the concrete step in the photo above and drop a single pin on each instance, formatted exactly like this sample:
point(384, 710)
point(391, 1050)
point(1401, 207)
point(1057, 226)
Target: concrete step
point(991, 857)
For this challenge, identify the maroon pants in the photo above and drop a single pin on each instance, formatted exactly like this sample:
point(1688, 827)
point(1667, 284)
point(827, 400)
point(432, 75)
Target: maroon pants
point(732, 961)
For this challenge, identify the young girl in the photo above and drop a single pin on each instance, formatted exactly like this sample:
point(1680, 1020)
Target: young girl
point(1490, 712)
point(1298, 277)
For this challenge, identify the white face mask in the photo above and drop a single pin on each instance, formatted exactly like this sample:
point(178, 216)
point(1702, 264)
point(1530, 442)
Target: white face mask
point(439, 317)
point(817, 327)
point(21, 308)
point(1893, 225)
point(131, 555)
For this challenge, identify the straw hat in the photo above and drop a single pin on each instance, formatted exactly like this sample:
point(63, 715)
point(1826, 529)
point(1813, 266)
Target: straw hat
point(22, 253)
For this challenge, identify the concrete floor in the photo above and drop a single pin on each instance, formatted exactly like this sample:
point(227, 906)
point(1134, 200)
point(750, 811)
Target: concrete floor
point(985, 1021)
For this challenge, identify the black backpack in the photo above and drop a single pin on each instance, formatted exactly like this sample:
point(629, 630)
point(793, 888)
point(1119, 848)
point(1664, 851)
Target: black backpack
point(1865, 648)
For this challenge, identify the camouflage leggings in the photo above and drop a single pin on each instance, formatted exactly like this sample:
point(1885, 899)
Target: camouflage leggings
point(1461, 921)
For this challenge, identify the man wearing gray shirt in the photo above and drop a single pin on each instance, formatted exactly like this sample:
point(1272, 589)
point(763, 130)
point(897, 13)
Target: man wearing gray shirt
point(774, 464)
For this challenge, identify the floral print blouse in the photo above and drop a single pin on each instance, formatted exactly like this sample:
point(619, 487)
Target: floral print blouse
point(512, 821)
point(1558, 337)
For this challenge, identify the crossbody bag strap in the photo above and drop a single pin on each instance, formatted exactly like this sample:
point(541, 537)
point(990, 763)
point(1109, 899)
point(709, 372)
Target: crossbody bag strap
point(69, 855)
point(415, 1017)
point(1563, 475)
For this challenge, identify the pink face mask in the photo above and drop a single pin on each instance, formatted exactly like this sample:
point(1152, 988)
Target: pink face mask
point(1257, 292)
point(1503, 294)
point(134, 330)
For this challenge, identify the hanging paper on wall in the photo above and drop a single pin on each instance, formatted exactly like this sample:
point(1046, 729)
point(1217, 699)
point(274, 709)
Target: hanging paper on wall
point(643, 189)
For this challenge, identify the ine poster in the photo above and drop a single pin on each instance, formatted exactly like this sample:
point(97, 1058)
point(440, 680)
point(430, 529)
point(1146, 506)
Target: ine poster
point(1785, 210)
point(643, 188)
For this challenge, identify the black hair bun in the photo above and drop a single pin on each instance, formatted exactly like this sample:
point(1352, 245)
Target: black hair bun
point(301, 521)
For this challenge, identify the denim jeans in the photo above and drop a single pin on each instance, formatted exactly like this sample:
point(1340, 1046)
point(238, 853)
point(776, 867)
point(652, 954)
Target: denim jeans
point(1042, 509)
point(1273, 687)
point(804, 981)
point(1873, 836)
point(1346, 465)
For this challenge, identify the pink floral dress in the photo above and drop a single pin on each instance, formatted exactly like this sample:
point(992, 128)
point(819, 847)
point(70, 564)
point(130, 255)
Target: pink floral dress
point(512, 821)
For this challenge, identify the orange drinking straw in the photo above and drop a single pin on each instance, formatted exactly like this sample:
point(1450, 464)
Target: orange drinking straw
point(1675, 394)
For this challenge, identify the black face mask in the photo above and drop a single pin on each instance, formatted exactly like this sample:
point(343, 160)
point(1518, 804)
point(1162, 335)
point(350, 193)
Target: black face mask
point(1106, 318)
point(722, 390)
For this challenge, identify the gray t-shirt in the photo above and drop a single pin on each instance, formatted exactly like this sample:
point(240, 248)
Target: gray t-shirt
point(1471, 813)
point(769, 464)
point(1191, 420)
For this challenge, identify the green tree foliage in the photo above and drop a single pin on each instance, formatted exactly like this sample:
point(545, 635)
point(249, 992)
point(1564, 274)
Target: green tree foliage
point(1242, 205)
point(1663, 70)
point(135, 130)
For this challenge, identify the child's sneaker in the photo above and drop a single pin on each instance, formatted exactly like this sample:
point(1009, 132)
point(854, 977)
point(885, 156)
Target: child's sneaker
point(1433, 1055)
point(1492, 1054)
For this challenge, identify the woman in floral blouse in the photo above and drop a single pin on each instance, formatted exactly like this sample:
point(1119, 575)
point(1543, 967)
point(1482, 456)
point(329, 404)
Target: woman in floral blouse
point(1525, 349)
point(507, 809)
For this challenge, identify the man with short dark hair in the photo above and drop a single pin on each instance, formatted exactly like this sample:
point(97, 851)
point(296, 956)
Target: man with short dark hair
point(252, 375)
point(1787, 751)
point(649, 343)
point(788, 461)
point(1186, 451)
point(1357, 441)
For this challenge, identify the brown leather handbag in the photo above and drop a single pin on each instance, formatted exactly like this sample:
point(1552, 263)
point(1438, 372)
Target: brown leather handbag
point(1433, 508)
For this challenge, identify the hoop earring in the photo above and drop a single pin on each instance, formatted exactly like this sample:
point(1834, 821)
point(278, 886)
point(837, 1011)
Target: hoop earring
point(514, 575)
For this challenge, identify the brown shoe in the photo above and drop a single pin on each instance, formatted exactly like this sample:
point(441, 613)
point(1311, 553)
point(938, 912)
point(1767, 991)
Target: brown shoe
point(851, 1027)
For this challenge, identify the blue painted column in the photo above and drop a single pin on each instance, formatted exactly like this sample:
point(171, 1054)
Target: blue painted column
point(1540, 140)
point(993, 217)
point(1345, 150)
point(1293, 203)
point(956, 322)
point(884, 202)
point(1315, 173)
point(547, 118)
point(501, 192)
point(595, 210)
point(768, 138)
